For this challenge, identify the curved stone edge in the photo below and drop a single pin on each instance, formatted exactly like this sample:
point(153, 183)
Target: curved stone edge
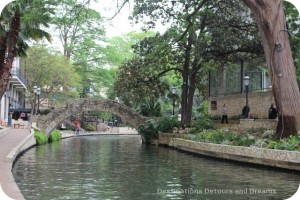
point(262, 156)
point(25, 144)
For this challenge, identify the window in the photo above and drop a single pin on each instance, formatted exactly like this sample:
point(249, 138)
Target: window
point(213, 105)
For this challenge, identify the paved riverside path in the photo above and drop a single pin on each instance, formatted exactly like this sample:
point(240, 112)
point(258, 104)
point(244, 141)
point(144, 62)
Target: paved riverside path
point(10, 138)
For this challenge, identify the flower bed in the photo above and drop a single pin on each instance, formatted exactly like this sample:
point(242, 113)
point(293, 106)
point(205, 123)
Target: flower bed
point(250, 147)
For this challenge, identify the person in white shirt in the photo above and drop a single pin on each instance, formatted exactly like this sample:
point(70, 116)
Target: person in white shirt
point(224, 114)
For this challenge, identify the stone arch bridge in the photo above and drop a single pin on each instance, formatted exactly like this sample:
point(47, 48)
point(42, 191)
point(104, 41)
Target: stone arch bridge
point(49, 122)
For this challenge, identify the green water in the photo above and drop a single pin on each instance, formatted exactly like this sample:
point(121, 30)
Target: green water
point(120, 167)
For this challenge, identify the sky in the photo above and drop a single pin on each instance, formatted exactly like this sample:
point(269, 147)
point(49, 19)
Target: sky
point(120, 24)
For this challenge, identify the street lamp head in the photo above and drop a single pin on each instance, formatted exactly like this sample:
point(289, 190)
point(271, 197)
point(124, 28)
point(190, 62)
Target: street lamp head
point(35, 89)
point(174, 90)
point(38, 91)
point(246, 80)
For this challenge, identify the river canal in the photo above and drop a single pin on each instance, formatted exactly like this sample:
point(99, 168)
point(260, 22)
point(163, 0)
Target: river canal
point(120, 167)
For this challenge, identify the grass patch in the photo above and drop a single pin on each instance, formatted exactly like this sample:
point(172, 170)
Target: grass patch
point(40, 137)
point(54, 136)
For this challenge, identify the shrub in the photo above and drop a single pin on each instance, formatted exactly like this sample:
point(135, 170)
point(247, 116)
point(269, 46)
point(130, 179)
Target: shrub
point(150, 108)
point(201, 123)
point(250, 138)
point(148, 130)
point(290, 143)
point(244, 140)
point(261, 143)
point(40, 137)
point(90, 127)
point(166, 124)
point(45, 112)
point(268, 134)
point(54, 136)
point(215, 136)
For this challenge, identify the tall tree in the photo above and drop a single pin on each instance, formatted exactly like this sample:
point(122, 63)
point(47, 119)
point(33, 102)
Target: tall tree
point(202, 33)
point(54, 74)
point(20, 22)
point(271, 22)
point(82, 35)
point(293, 20)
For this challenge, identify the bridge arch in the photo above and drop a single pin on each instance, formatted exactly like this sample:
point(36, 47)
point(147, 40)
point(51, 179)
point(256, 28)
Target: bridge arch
point(49, 122)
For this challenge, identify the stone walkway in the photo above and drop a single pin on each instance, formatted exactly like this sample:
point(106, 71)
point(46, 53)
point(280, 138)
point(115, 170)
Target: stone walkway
point(10, 139)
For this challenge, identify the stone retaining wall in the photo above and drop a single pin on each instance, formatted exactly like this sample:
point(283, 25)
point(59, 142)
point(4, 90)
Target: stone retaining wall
point(259, 104)
point(262, 156)
point(267, 124)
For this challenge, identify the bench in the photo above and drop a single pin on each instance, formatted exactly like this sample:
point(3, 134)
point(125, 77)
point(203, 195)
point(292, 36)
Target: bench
point(19, 124)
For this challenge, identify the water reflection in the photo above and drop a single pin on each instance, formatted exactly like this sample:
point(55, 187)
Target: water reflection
point(119, 167)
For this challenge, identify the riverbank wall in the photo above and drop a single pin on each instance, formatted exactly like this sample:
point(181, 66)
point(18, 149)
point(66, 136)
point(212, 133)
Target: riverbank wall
point(261, 156)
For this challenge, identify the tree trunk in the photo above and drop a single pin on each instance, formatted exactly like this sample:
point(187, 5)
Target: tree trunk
point(184, 93)
point(2, 50)
point(190, 99)
point(11, 52)
point(269, 16)
point(185, 76)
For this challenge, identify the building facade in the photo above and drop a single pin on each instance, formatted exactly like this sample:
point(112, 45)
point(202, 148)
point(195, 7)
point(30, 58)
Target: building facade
point(227, 86)
point(14, 98)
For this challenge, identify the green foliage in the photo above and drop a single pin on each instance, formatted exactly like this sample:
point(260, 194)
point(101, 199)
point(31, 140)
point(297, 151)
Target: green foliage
point(150, 108)
point(56, 73)
point(166, 124)
point(148, 130)
point(54, 136)
point(119, 49)
point(292, 20)
point(251, 138)
point(216, 136)
point(90, 127)
point(201, 123)
point(260, 143)
point(82, 35)
point(45, 112)
point(203, 108)
point(268, 134)
point(290, 143)
point(245, 141)
point(40, 137)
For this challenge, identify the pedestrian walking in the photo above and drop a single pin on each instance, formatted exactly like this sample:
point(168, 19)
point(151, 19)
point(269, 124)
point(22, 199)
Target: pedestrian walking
point(77, 126)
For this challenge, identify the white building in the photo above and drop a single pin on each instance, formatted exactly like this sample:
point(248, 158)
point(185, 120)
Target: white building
point(13, 99)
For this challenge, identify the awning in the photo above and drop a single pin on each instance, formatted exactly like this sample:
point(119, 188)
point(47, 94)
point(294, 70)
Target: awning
point(25, 110)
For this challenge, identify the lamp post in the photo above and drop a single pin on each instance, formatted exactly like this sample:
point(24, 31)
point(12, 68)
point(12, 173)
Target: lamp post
point(173, 89)
point(9, 119)
point(246, 109)
point(34, 91)
point(38, 92)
